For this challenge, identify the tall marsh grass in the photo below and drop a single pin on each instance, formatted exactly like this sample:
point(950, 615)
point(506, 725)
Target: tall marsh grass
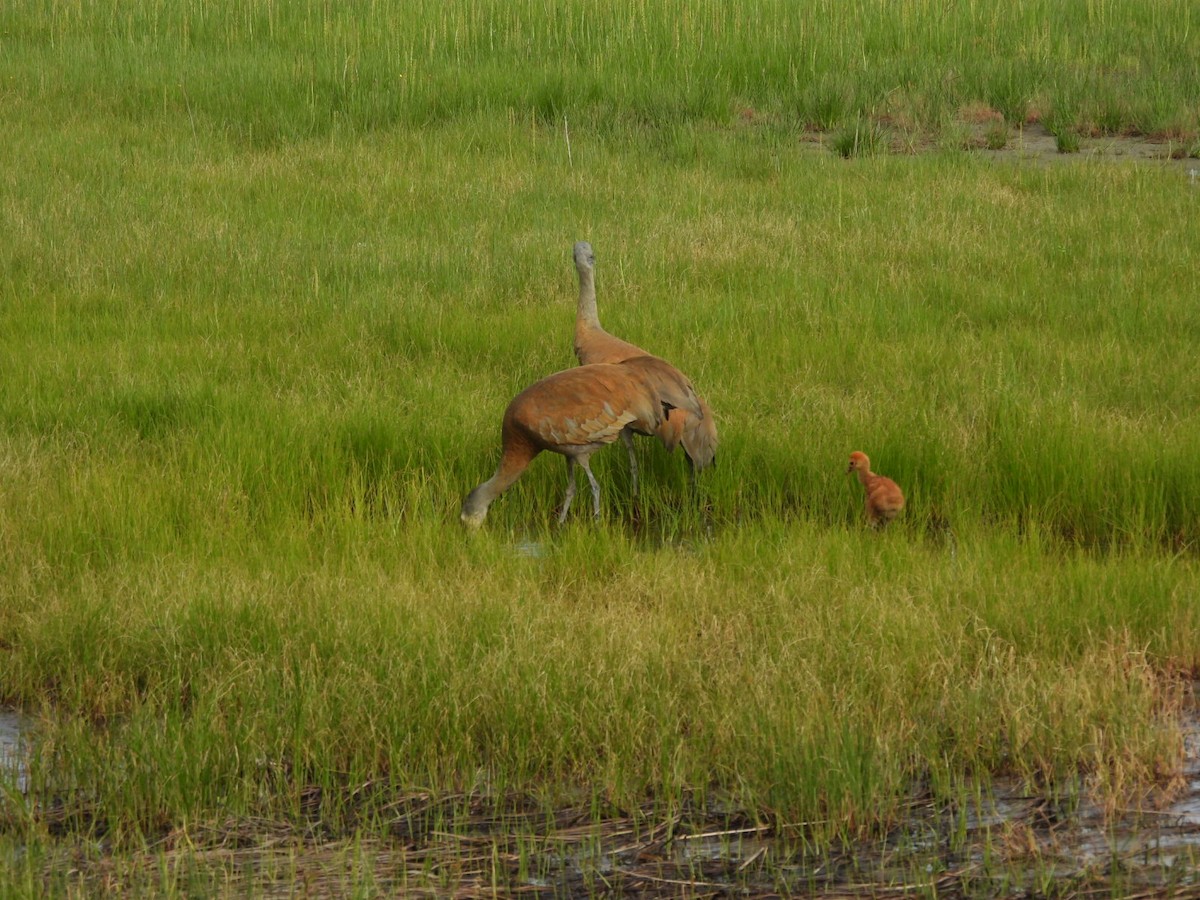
point(239, 689)
point(263, 71)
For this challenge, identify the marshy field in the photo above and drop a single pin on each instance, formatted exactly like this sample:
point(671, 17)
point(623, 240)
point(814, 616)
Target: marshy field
point(270, 273)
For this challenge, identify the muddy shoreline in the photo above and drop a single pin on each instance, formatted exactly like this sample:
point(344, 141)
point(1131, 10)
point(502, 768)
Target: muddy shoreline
point(1035, 144)
point(1005, 841)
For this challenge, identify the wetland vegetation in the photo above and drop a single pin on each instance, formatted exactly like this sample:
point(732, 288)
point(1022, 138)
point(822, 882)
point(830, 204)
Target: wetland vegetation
point(270, 275)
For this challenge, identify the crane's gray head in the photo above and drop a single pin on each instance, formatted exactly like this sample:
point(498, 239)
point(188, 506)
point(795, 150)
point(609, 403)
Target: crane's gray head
point(584, 257)
point(474, 509)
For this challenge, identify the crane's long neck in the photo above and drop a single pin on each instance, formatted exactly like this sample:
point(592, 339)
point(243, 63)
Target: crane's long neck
point(513, 462)
point(865, 475)
point(586, 313)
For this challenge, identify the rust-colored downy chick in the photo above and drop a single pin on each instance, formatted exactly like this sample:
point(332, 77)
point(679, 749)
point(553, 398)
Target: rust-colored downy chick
point(696, 433)
point(576, 412)
point(884, 499)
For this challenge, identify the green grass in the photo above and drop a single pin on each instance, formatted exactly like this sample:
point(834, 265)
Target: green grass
point(859, 138)
point(1066, 140)
point(262, 304)
point(996, 137)
point(266, 72)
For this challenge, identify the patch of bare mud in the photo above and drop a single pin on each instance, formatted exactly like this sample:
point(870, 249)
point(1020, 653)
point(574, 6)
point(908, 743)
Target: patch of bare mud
point(1035, 143)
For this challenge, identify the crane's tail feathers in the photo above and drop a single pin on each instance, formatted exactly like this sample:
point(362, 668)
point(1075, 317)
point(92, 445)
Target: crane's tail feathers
point(669, 384)
point(678, 393)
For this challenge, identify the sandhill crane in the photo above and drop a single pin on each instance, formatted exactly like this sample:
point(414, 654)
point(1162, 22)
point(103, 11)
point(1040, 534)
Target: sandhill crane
point(697, 433)
point(884, 500)
point(576, 412)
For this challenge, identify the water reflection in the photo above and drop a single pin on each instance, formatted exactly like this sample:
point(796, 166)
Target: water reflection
point(531, 549)
point(12, 767)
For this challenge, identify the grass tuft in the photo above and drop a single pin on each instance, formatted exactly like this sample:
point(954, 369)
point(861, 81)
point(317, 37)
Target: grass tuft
point(996, 136)
point(860, 138)
point(1066, 139)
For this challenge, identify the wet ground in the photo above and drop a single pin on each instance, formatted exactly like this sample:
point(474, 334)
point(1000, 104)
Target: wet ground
point(1004, 842)
point(1034, 143)
point(10, 756)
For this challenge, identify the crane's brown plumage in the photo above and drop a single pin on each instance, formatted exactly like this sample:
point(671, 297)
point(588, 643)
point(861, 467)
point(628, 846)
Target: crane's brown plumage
point(576, 412)
point(884, 499)
point(697, 433)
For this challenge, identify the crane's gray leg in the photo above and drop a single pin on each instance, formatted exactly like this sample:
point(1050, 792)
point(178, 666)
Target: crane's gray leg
point(583, 461)
point(562, 514)
point(627, 439)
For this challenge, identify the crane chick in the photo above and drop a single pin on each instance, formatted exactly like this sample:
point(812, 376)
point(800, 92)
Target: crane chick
point(576, 412)
point(884, 499)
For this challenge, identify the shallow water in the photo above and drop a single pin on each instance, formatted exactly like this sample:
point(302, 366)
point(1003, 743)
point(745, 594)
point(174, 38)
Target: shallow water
point(11, 760)
point(1010, 830)
point(530, 549)
point(1005, 840)
point(999, 841)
